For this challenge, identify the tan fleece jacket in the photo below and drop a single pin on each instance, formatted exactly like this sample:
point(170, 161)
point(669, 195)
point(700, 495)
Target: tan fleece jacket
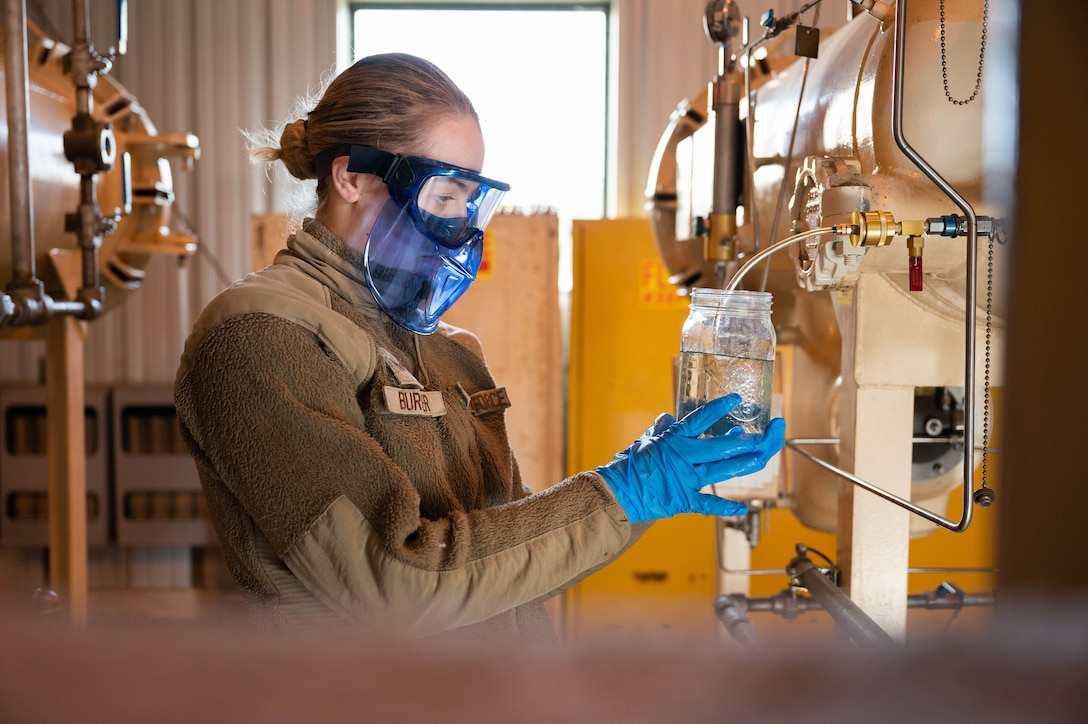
point(331, 507)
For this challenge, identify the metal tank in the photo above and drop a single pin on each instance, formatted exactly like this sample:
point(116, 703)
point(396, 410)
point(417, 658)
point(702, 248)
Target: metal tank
point(894, 324)
point(822, 148)
point(134, 194)
point(88, 200)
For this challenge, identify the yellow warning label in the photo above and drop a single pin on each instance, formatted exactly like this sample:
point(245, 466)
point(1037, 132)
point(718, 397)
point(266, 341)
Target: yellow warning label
point(654, 289)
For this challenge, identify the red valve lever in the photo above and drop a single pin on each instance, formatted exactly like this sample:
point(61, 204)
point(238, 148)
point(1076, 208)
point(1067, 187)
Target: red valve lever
point(916, 273)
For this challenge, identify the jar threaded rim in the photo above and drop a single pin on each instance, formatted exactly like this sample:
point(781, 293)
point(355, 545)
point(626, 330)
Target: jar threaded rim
point(733, 299)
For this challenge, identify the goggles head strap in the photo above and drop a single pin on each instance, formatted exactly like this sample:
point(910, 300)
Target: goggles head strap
point(392, 168)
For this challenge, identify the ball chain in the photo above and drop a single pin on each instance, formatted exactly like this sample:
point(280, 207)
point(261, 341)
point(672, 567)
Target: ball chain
point(987, 400)
point(981, 57)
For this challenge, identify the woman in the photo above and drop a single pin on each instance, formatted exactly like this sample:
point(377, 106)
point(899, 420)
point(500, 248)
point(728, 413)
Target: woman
point(352, 448)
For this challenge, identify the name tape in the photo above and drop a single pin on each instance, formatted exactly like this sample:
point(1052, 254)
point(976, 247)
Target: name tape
point(487, 401)
point(425, 403)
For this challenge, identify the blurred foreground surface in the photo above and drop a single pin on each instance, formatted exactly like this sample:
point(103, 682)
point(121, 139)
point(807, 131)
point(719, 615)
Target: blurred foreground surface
point(1031, 665)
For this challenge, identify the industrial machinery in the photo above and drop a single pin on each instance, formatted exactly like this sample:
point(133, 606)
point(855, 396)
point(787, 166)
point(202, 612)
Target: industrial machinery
point(89, 199)
point(861, 157)
point(89, 182)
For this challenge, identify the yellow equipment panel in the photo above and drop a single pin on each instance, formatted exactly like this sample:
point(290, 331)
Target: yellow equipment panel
point(626, 321)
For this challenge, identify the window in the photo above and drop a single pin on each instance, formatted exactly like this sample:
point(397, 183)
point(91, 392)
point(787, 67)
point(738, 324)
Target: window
point(537, 75)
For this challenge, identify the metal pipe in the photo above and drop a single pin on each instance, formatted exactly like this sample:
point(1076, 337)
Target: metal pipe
point(972, 272)
point(789, 605)
point(952, 569)
point(726, 106)
point(18, 143)
point(915, 440)
point(82, 75)
point(95, 155)
point(846, 613)
point(26, 301)
point(948, 597)
point(28, 304)
point(722, 25)
point(879, 492)
point(795, 445)
point(732, 611)
point(752, 208)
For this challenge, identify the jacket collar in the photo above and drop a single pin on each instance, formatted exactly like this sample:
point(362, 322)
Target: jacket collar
point(320, 254)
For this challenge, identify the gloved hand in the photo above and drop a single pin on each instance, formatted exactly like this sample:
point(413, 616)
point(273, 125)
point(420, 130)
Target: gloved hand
point(661, 474)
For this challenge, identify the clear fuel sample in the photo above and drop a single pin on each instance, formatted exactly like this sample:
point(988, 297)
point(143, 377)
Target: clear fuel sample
point(704, 377)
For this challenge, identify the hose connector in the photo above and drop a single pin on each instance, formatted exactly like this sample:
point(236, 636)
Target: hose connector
point(875, 228)
point(953, 225)
point(878, 228)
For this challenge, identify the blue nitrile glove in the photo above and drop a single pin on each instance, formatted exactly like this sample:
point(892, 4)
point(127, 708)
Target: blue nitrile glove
point(661, 474)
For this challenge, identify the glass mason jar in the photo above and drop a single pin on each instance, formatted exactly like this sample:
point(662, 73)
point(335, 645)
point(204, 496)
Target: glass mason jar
point(728, 345)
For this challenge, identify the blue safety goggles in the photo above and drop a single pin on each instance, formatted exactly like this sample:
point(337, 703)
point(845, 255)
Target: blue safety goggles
point(450, 204)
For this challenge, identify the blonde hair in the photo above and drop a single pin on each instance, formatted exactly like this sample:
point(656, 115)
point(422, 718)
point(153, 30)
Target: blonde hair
point(388, 101)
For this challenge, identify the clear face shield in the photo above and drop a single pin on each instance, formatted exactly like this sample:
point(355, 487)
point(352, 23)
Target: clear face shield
point(427, 242)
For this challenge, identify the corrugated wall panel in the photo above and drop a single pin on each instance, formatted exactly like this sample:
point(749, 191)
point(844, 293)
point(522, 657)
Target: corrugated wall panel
point(662, 57)
point(288, 81)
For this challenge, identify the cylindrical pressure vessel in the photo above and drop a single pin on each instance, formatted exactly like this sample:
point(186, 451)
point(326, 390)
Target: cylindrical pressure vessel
point(141, 232)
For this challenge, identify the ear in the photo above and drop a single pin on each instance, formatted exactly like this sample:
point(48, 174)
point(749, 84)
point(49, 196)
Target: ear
point(347, 184)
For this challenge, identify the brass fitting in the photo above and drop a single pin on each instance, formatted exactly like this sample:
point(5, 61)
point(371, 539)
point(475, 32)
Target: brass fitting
point(721, 238)
point(915, 245)
point(875, 228)
point(912, 228)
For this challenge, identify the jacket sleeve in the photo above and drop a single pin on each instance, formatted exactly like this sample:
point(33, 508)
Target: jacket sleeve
point(274, 419)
